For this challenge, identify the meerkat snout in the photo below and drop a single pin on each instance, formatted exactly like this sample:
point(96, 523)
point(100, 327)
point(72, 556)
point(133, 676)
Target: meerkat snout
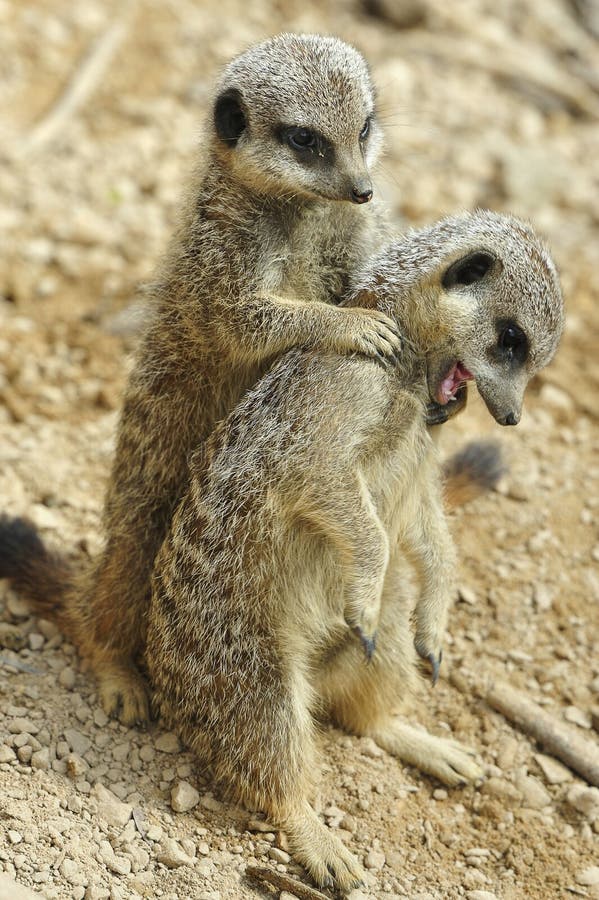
point(362, 191)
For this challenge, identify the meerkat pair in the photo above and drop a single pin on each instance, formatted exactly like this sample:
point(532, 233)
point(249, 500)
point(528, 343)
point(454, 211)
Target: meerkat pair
point(301, 511)
point(292, 519)
point(275, 222)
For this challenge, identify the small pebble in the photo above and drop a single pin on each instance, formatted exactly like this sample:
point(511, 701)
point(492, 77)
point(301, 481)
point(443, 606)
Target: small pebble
point(374, 859)
point(577, 717)
point(184, 797)
point(66, 678)
point(36, 641)
point(168, 743)
point(534, 795)
point(585, 800)
point(588, 876)
point(170, 854)
point(23, 726)
point(554, 771)
point(110, 808)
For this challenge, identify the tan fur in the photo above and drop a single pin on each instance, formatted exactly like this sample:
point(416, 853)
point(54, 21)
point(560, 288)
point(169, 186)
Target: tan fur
point(263, 251)
point(303, 507)
point(265, 248)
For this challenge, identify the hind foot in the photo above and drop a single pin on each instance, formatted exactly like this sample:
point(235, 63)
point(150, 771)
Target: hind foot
point(124, 694)
point(324, 856)
point(11, 637)
point(447, 760)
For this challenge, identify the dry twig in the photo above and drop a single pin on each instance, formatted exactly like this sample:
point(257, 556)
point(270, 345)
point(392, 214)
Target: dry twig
point(82, 83)
point(284, 883)
point(558, 738)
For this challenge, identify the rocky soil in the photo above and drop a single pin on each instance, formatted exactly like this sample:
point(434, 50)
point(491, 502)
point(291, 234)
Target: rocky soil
point(484, 104)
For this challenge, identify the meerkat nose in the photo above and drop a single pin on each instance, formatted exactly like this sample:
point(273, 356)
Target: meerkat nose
point(361, 196)
point(511, 419)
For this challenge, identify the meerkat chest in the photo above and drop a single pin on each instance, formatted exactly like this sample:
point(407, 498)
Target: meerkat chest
point(393, 473)
point(322, 249)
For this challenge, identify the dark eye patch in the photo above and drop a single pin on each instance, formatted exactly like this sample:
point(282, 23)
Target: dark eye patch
point(468, 270)
point(512, 342)
point(308, 144)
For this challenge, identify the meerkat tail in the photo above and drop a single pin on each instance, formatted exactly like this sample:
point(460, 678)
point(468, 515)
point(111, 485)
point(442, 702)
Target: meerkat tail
point(42, 576)
point(474, 470)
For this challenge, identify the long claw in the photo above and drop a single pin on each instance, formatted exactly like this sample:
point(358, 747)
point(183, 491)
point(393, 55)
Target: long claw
point(435, 665)
point(435, 662)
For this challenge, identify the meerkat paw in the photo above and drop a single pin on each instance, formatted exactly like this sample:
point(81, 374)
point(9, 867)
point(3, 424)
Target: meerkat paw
point(445, 759)
point(364, 623)
point(430, 629)
point(432, 657)
point(373, 334)
point(11, 637)
point(124, 695)
point(452, 763)
point(323, 855)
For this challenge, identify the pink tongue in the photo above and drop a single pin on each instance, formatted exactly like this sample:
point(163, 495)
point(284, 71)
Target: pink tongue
point(450, 384)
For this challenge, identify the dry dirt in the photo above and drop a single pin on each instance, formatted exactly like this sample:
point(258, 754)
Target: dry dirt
point(485, 104)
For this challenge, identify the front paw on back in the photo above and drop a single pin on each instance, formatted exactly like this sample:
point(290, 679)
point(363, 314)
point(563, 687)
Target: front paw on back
point(373, 334)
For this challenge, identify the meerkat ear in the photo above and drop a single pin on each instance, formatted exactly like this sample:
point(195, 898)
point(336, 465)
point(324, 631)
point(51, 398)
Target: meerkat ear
point(229, 117)
point(468, 269)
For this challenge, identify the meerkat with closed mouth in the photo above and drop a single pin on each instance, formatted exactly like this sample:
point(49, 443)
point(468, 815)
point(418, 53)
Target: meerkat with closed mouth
point(277, 216)
point(264, 251)
point(302, 509)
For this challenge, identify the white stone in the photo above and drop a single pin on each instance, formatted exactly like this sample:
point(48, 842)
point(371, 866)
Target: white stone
point(184, 797)
point(110, 808)
point(534, 795)
point(170, 854)
point(585, 800)
point(374, 859)
point(66, 678)
point(41, 759)
point(577, 717)
point(7, 754)
point(369, 748)
point(78, 742)
point(467, 595)
point(278, 856)
point(168, 743)
point(23, 726)
point(588, 876)
point(36, 641)
point(481, 895)
point(71, 871)
point(554, 771)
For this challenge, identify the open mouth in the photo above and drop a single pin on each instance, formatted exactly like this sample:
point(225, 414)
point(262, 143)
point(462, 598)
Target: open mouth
point(451, 383)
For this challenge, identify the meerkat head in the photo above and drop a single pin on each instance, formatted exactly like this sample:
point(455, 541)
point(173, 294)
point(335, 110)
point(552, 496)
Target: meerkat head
point(480, 296)
point(295, 115)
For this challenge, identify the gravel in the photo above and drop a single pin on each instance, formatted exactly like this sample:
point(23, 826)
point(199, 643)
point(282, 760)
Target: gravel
point(83, 223)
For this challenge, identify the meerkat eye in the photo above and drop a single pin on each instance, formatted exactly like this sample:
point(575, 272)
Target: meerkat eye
point(512, 341)
point(301, 139)
point(365, 129)
point(467, 270)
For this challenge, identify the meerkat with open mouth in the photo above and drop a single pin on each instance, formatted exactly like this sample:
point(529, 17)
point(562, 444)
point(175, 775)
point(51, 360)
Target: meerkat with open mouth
point(305, 504)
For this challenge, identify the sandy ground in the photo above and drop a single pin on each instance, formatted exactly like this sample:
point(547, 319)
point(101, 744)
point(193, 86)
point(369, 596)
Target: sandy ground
point(484, 104)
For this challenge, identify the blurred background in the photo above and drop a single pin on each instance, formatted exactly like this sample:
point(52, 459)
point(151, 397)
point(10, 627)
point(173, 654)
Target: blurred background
point(484, 104)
